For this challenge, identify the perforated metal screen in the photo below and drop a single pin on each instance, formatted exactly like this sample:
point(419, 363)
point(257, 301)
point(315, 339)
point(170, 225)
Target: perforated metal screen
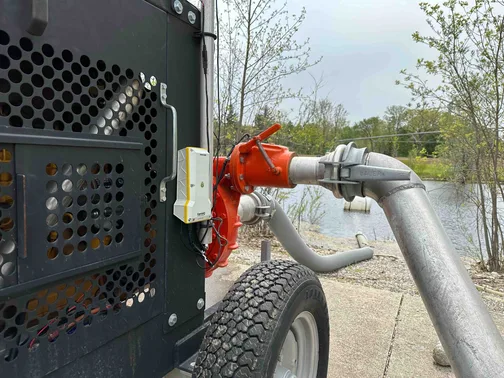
point(79, 203)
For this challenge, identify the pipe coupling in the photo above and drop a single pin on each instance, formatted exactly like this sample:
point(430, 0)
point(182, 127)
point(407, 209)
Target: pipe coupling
point(256, 207)
point(345, 172)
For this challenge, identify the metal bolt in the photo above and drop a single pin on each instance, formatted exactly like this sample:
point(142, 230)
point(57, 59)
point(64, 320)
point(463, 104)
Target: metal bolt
point(178, 7)
point(227, 175)
point(192, 364)
point(241, 177)
point(242, 159)
point(142, 77)
point(172, 320)
point(200, 304)
point(191, 16)
point(247, 188)
point(153, 81)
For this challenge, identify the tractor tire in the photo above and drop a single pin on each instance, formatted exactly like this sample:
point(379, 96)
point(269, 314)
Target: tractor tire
point(268, 310)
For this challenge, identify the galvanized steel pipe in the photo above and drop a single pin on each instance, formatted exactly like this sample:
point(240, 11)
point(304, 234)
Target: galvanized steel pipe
point(305, 170)
point(464, 326)
point(288, 236)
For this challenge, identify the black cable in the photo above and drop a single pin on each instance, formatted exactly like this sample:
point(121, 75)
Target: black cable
point(219, 117)
point(207, 129)
point(204, 235)
point(223, 169)
point(199, 254)
point(183, 240)
point(204, 57)
point(200, 249)
point(221, 173)
point(219, 237)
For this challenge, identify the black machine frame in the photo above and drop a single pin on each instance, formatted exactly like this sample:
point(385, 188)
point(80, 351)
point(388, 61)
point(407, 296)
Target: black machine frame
point(92, 266)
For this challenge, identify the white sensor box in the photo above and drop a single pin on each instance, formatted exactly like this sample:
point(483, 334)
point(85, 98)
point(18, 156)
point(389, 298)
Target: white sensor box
point(193, 202)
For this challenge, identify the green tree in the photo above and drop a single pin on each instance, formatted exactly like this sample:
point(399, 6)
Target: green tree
point(308, 140)
point(258, 50)
point(396, 117)
point(422, 120)
point(469, 42)
point(371, 127)
point(266, 117)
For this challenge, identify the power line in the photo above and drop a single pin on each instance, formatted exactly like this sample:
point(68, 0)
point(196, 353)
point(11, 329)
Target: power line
point(389, 136)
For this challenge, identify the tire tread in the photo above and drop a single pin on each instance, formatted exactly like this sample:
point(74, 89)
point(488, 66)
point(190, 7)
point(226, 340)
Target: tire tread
point(236, 343)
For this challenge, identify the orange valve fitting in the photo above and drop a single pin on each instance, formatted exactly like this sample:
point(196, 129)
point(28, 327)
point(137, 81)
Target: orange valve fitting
point(256, 164)
point(251, 164)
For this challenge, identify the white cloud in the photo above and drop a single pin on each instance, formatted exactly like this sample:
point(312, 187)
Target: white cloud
point(365, 43)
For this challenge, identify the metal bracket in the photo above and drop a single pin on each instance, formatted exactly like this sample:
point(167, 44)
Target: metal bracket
point(370, 173)
point(263, 212)
point(345, 172)
point(162, 185)
point(39, 17)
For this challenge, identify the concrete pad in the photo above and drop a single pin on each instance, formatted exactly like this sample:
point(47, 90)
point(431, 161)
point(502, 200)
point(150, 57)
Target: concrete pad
point(362, 321)
point(414, 341)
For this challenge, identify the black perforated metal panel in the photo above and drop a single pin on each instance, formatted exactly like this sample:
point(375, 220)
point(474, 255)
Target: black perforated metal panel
point(86, 216)
point(77, 96)
point(8, 253)
point(81, 209)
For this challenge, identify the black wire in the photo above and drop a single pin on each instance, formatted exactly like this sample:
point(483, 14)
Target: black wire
point(204, 235)
point(204, 56)
point(219, 237)
point(183, 240)
point(219, 118)
point(200, 248)
point(221, 174)
point(199, 255)
point(201, 266)
point(207, 129)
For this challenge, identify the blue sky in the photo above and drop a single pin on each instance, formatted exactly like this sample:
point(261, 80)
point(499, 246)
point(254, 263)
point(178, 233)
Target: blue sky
point(364, 44)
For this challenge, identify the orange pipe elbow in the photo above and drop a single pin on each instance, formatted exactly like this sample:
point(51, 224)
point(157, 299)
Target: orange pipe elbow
point(249, 169)
point(251, 164)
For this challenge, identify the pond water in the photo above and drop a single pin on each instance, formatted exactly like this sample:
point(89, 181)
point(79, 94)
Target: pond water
point(448, 200)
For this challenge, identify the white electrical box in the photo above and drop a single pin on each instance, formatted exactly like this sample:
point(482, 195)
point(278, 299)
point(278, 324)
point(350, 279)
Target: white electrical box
point(193, 202)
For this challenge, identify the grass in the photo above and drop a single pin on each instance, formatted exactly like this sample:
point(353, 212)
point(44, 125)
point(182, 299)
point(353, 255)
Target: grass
point(429, 168)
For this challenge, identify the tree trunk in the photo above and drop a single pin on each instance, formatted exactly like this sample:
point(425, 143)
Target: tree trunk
point(243, 87)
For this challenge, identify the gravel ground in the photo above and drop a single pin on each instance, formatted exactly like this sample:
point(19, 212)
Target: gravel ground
point(387, 270)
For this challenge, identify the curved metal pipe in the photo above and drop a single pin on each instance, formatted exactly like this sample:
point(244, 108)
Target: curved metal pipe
point(288, 236)
point(464, 326)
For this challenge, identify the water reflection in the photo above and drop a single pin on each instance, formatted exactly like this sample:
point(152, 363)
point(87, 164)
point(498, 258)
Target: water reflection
point(450, 201)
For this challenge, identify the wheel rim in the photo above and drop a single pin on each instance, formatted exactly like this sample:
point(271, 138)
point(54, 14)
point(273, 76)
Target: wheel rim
point(300, 354)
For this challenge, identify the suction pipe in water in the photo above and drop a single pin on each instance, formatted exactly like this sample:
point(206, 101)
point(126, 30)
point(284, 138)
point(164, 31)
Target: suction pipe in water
point(256, 207)
point(464, 326)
